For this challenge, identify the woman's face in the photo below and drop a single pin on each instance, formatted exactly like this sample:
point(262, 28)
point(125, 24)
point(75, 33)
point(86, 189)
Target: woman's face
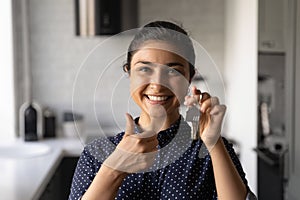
point(159, 79)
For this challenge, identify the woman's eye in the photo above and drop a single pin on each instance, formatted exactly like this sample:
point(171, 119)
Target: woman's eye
point(144, 69)
point(173, 71)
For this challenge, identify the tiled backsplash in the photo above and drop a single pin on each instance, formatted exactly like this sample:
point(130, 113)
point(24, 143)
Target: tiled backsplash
point(56, 55)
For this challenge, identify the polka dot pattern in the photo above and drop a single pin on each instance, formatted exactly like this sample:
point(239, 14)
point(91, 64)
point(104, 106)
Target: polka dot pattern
point(182, 169)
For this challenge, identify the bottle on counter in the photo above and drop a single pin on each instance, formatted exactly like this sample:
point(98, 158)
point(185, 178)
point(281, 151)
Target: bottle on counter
point(30, 121)
point(30, 118)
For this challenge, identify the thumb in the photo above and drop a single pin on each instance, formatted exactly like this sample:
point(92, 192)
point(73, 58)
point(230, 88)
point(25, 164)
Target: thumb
point(129, 124)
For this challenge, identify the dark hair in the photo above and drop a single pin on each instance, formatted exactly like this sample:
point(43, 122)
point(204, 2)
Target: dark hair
point(164, 31)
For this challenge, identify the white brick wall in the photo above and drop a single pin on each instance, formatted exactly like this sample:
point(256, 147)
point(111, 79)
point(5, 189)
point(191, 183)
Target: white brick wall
point(56, 53)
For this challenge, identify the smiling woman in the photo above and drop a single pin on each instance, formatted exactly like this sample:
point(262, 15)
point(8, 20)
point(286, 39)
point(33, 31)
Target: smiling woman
point(158, 84)
point(155, 157)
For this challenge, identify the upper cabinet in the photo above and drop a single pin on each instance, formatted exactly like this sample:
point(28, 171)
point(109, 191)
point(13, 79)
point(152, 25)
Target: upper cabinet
point(103, 17)
point(272, 17)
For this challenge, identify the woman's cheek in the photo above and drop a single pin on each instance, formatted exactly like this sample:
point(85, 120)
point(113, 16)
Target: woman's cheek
point(180, 88)
point(137, 82)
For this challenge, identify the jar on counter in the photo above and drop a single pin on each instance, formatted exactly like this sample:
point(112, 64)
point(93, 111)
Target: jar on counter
point(73, 124)
point(49, 123)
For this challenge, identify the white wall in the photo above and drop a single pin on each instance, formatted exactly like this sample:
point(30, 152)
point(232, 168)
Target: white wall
point(7, 103)
point(56, 53)
point(241, 80)
point(203, 19)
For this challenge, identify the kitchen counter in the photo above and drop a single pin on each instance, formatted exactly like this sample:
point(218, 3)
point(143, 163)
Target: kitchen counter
point(27, 177)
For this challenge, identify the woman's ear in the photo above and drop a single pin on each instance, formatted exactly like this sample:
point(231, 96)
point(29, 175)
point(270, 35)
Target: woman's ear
point(126, 68)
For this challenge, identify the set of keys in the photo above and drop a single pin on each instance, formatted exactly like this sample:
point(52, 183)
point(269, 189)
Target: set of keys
point(193, 115)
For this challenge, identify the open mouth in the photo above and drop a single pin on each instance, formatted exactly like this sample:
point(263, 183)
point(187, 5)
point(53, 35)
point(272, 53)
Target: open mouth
point(158, 98)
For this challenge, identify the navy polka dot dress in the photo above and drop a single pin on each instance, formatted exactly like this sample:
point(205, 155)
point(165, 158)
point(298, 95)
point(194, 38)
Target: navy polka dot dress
point(182, 168)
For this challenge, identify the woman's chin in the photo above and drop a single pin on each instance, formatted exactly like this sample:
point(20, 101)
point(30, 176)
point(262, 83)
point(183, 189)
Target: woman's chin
point(157, 111)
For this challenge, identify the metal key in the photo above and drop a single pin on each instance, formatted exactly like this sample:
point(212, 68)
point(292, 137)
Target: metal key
point(193, 116)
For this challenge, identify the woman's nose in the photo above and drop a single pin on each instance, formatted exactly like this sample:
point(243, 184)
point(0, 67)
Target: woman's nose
point(158, 78)
point(155, 86)
point(159, 81)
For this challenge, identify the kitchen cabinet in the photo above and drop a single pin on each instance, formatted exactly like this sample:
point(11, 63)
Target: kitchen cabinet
point(60, 184)
point(272, 22)
point(271, 180)
point(28, 175)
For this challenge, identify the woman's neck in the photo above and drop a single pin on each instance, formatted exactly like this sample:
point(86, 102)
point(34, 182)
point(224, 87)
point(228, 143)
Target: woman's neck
point(147, 122)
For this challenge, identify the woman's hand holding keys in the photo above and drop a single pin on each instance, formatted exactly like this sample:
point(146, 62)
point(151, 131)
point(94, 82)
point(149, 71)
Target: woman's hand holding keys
point(212, 114)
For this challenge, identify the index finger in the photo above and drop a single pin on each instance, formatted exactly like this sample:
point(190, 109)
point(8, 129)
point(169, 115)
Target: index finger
point(196, 93)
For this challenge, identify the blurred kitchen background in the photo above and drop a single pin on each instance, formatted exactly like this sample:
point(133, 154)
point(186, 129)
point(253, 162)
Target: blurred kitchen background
point(254, 44)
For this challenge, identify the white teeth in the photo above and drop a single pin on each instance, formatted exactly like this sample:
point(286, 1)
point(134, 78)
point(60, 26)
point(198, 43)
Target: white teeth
point(157, 98)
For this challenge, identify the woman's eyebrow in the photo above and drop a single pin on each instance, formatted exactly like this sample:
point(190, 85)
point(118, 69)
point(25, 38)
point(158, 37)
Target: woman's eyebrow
point(144, 63)
point(167, 64)
point(174, 64)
